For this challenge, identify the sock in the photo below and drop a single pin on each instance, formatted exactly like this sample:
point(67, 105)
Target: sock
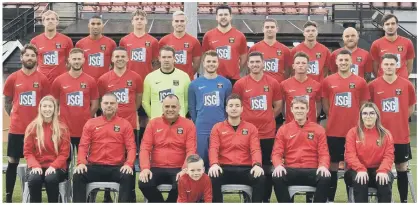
point(403, 186)
point(333, 186)
point(10, 180)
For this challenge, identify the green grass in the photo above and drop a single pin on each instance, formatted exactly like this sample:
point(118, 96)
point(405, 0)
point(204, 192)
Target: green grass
point(340, 197)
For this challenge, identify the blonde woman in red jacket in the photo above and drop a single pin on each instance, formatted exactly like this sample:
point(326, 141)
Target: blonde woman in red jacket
point(46, 149)
point(369, 156)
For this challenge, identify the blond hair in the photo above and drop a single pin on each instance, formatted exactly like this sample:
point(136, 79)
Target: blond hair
point(139, 12)
point(49, 12)
point(379, 127)
point(179, 13)
point(58, 128)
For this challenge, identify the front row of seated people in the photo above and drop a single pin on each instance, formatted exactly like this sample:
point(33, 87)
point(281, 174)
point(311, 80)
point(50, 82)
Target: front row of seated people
point(107, 153)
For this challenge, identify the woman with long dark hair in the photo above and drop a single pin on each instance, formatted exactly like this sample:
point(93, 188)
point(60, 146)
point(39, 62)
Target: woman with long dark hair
point(46, 149)
point(369, 156)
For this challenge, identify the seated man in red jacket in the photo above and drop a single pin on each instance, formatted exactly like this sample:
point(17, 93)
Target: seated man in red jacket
point(104, 145)
point(195, 186)
point(234, 153)
point(168, 140)
point(300, 155)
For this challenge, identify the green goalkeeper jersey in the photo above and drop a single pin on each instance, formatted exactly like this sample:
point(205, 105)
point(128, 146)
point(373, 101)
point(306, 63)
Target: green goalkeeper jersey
point(157, 85)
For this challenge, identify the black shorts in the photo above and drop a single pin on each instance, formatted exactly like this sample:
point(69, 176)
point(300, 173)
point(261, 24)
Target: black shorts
point(402, 153)
point(336, 147)
point(321, 116)
point(233, 81)
point(15, 145)
point(99, 112)
point(141, 112)
point(279, 121)
point(266, 146)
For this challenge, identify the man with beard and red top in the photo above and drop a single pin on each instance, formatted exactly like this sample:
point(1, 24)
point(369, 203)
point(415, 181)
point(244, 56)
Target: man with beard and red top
point(167, 142)
point(343, 93)
point(229, 43)
point(22, 91)
point(77, 95)
point(53, 47)
point(278, 61)
point(106, 152)
point(234, 153)
point(188, 49)
point(97, 49)
point(262, 100)
point(319, 55)
point(300, 155)
point(393, 43)
point(300, 86)
point(396, 98)
point(143, 54)
point(362, 60)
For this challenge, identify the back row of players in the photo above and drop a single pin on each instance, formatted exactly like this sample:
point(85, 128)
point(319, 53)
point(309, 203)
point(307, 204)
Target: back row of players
point(225, 53)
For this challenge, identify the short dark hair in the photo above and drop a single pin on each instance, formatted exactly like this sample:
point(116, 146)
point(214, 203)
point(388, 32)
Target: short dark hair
point(193, 158)
point(96, 17)
point(255, 53)
point(386, 17)
point(344, 52)
point(168, 48)
point(232, 97)
point(390, 56)
point(301, 54)
point(310, 23)
point(119, 49)
point(223, 6)
point(29, 47)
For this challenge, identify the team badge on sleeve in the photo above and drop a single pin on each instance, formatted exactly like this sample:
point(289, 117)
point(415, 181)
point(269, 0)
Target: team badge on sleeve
point(35, 84)
point(244, 131)
point(83, 85)
point(310, 135)
point(318, 55)
point(180, 130)
point(116, 128)
point(231, 40)
point(129, 83)
point(309, 89)
point(352, 85)
point(398, 91)
point(400, 48)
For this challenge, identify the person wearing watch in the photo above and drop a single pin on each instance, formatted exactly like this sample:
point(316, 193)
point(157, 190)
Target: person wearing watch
point(235, 154)
point(300, 155)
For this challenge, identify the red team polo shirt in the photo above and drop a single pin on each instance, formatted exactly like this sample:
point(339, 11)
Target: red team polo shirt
point(75, 95)
point(229, 46)
point(309, 89)
point(52, 54)
point(26, 92)
point(319, 58)
point(187, 47)
point(361, 62)
point(258, 98)
point(345, 96)
point(98, 54)
point(141, 50)
point(125, 88)
point(277, 58)
point(393, 101)
point(401, 47)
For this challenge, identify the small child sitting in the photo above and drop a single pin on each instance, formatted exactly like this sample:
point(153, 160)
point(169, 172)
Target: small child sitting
point(195, 186)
